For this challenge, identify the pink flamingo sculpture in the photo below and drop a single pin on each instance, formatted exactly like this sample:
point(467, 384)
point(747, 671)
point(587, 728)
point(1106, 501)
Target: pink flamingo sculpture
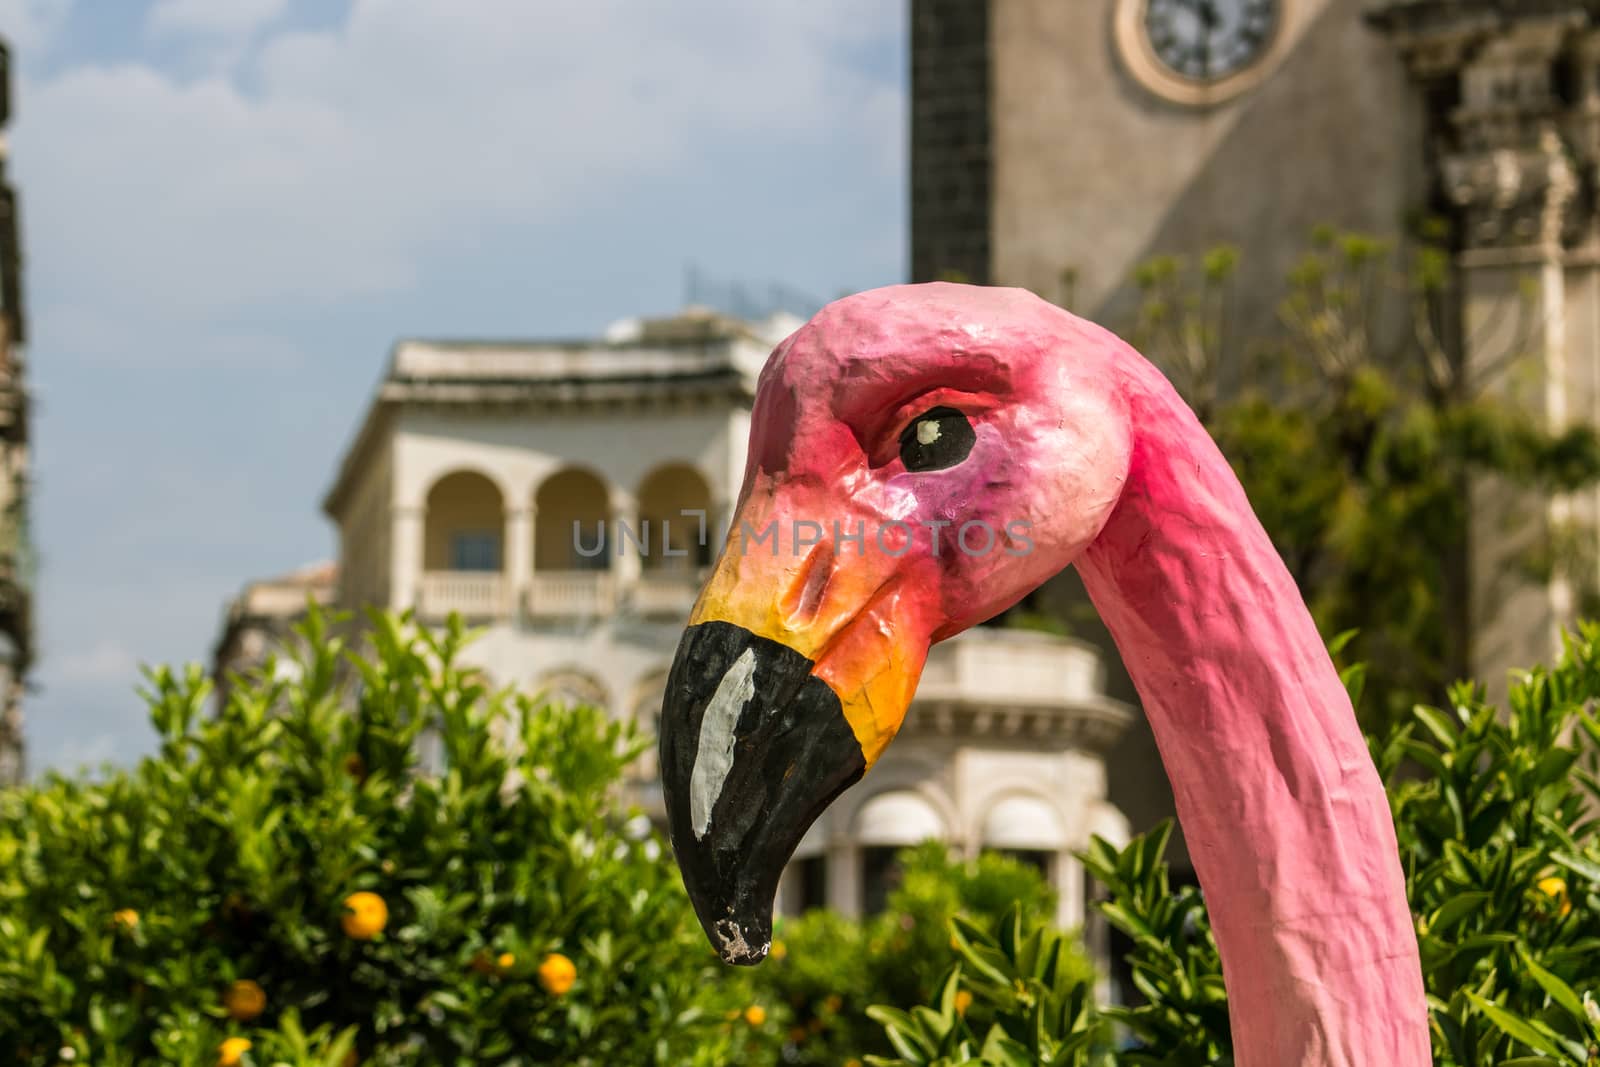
point(921, 457)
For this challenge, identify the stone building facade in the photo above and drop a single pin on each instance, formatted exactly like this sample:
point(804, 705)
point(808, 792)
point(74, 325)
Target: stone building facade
point(16, 599)
point(1509, 96)
point(480, 482)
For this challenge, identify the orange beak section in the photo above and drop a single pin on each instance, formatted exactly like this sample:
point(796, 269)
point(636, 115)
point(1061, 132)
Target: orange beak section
point(793, 676)
point(838, 589)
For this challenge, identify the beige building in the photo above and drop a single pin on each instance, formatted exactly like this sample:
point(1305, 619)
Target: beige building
point(479, 483)
point(16, 567)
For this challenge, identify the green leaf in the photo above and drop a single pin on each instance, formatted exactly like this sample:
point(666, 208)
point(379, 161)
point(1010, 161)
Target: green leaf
point(1519, 1029)
point(1438, 724)
point(1578, 865)
point(1559, 991)
point(1455, 909)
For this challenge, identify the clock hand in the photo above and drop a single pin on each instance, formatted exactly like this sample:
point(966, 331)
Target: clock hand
point(1210, 19)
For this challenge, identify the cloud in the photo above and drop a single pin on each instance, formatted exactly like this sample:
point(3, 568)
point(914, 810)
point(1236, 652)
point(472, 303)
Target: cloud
point(29, 24)
point(106, 661)
point(84, 753)
point(222, 18)
point(411, 130)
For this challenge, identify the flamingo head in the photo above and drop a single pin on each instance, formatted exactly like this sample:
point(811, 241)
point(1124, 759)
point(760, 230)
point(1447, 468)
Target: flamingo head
point(921, 457)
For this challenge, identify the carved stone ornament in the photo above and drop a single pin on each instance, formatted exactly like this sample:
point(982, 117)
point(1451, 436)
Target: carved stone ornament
point(1513, 198)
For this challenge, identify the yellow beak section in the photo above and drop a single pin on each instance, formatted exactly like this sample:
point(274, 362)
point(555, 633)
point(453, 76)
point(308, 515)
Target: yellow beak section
point(862, 626)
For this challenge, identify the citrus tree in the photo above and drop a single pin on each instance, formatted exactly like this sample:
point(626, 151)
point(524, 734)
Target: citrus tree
point(281, 883)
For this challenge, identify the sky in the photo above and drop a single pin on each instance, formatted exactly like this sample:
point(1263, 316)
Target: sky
point(231, 209)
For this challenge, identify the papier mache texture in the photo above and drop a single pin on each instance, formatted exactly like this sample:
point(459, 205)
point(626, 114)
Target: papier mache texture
point(921, 458)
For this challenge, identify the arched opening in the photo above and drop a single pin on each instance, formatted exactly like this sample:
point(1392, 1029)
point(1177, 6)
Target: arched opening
point(885, 825)
point(465, 524)
point(463, 549)
point(1028, 830)
point(568, 497)
point(675, 542)
point(648, 697)
point(645, 707)
point(573, 688)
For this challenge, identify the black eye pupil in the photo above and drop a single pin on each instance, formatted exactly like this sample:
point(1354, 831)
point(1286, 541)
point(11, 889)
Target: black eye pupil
point(936, 439)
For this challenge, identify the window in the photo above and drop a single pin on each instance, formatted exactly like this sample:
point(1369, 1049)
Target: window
point(880, 876)
point(886, 824)
point(474, 550)
point(808, 885)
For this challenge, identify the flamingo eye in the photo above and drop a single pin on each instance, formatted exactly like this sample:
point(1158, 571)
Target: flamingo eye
point(936, 439)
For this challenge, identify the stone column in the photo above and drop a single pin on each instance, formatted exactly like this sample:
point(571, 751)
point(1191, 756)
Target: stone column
point(518, 557)
point(844, 877)
point(1068, 879)
point(1512, 182)
point(627, 563)
point(1582, 295)
point(408, 523)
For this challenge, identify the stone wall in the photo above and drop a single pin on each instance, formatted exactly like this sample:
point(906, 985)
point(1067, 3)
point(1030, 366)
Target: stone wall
point(950, 138)
point(1094, 173)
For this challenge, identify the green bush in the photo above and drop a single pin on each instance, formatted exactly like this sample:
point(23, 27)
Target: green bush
point(148, 916)
point(1495, 814)
point(833, 969)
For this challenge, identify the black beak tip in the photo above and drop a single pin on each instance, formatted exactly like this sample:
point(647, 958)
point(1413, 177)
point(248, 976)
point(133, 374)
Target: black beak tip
point(742, 944)
point(743, 785)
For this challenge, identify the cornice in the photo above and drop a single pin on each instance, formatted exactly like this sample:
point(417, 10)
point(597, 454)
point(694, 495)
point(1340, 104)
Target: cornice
point(1092, 727)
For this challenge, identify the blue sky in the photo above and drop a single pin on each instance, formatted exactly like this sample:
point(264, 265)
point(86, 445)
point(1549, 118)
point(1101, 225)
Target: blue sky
point(232, 208)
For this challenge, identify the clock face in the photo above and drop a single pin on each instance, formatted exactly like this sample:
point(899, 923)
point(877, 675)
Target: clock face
point(1207, 40)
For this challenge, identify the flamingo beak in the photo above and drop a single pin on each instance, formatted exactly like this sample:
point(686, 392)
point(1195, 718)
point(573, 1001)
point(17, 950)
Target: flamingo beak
point(793, 676)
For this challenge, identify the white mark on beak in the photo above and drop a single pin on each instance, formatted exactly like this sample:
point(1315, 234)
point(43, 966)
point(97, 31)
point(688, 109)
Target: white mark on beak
point(713, 757)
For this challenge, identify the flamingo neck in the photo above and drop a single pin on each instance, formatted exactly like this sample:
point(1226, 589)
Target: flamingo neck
point(1284, 815)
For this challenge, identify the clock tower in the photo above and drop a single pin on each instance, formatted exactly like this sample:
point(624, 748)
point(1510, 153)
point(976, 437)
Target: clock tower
point(1057, 144)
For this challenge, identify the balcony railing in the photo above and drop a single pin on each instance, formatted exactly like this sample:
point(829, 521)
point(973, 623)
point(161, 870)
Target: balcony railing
point(562, 594)
point(472, 594)
point(665, 592)
point(558, 594)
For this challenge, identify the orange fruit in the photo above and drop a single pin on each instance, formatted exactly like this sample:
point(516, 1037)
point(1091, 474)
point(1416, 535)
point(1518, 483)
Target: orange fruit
point(365, 915)
point(232, 1051)
point(556, 974)
point(1556, 889)
point(245, 1000)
